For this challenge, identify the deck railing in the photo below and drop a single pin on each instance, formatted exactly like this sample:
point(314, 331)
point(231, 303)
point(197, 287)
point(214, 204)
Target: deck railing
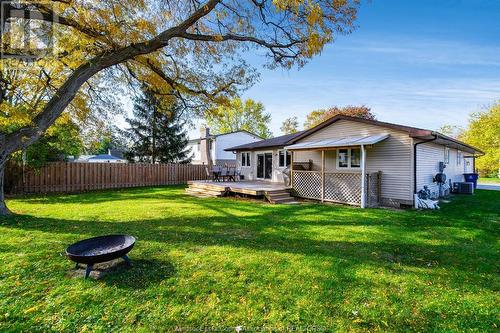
point(336, 187)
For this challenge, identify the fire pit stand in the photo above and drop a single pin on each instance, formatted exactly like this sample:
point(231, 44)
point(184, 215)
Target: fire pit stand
point(100, 249)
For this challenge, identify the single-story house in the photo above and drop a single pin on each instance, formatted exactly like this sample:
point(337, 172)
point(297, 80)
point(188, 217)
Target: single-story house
point(215, 146)
point(326, 162)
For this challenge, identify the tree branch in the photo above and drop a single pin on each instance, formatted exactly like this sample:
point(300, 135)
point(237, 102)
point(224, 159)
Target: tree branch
point(66, 93)
point(46, 14)
point(173, 83)
point(227, 37)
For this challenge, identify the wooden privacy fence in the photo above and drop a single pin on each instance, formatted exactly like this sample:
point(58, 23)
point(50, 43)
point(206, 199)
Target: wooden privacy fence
point(78, 177)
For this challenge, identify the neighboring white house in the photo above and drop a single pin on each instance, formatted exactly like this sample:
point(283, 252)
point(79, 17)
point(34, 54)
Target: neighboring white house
point(329, 159)
point(217, 145)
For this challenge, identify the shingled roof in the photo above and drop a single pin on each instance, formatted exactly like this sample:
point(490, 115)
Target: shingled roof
point(414, 132)
point(279, 141)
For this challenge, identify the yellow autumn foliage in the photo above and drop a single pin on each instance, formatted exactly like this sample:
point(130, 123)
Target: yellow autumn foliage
point(204, 71)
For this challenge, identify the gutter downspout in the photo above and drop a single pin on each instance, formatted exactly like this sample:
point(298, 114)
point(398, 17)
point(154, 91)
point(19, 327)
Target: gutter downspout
point(415, 161)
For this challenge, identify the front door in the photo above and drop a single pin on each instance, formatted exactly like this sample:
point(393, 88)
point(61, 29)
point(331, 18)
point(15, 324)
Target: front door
point(265, 166)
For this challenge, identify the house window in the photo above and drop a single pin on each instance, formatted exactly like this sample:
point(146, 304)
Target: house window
point(349, 158)
point(446, 155)
point(285, 158)
point(355, 158)
point(459, 157)
point(245, 159)
point(199, 146)
point(343, 158)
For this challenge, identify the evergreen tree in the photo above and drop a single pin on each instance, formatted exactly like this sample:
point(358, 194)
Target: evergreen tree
point(155, 132)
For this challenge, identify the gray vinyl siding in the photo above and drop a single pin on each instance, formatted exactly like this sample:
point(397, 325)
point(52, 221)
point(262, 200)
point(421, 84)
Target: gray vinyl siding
point(428, 157)
point(392, 156)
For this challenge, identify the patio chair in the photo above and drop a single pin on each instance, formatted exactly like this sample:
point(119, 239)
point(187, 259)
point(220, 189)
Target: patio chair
point(231, 174)
point(224, 174)
point(216, 173)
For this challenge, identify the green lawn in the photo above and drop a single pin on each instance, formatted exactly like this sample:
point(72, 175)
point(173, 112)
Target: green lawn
point(217, 263)
point(489, 180)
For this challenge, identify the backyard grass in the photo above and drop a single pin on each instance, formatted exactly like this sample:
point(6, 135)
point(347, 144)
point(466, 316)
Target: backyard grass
point(219, 263)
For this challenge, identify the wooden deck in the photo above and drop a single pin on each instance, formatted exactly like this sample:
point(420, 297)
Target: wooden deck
point(244, 187)
point(274, 192)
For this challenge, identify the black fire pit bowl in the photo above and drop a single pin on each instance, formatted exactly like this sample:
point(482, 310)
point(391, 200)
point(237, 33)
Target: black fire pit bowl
point(100, 249)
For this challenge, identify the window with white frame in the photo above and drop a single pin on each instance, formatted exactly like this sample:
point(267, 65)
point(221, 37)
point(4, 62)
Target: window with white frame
point(459, 157)
point(285, 158)
point(355, 158)
point(245, 159)
point(349, 158)
point(446, 155)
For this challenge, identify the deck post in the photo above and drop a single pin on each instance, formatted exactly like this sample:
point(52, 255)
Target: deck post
point(291, 170)
point(363, 176)
point(322, 176)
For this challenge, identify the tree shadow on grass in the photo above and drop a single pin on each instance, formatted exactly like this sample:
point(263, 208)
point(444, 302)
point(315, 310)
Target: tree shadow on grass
point(105, 195)
point(396, 246)
point(142, 274)
point(244, 233)
point(286, 229)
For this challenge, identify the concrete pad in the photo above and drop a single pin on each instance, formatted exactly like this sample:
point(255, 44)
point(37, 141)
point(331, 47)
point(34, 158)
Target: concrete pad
point(491, 187)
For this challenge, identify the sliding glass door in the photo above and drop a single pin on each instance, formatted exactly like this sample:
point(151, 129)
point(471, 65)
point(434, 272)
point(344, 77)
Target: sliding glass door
point(265, 166)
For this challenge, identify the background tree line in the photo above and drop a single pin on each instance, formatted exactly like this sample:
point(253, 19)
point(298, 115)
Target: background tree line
point(483, 132)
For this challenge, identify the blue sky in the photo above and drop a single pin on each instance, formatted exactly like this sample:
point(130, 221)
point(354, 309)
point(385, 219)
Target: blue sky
point(422, 63)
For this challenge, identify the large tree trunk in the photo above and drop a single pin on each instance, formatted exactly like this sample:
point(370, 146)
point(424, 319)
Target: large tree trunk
point(23, 137)
point(3, 207)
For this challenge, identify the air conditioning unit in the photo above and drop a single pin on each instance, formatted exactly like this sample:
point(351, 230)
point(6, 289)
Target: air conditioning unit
point(463, 188)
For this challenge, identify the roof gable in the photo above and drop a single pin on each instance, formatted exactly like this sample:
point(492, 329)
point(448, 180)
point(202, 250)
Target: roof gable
point(215, 136)
point(412, 131)
point(279, 141)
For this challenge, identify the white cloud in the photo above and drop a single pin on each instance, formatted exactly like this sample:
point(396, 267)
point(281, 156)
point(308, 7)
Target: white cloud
point(428, 51)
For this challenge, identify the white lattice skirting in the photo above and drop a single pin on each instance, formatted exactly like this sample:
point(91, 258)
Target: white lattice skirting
point(339, 187)
point(343, 187)
point(307, 184)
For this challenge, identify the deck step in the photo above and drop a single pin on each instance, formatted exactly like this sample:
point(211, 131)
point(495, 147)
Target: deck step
point(203, 192)
point(278, 192)
point(280, 197)
point(282, 201)
point(203, 196)
point(211, 194)
point(208, 187)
